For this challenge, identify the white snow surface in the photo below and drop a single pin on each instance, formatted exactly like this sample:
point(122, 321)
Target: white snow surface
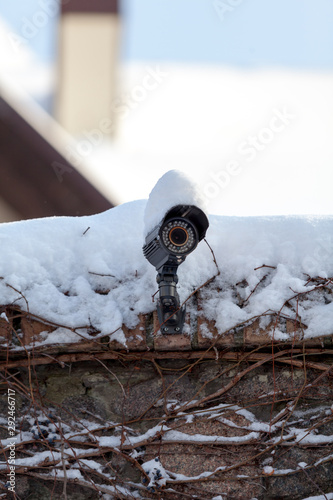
point(173, 188)
point(156, 472)
point(81, 272)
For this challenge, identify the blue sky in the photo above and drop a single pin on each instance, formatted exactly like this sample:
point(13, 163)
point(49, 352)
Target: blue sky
point(240, 32)
point(289, 33)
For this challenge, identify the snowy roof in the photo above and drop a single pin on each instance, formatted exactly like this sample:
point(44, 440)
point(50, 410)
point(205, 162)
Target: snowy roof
point(36, 178)
point(89, 272)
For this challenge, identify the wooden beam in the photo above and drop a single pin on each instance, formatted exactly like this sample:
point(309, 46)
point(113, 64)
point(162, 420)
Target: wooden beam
point(124, 356)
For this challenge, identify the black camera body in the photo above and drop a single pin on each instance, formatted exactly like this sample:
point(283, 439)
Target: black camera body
point(166, 247)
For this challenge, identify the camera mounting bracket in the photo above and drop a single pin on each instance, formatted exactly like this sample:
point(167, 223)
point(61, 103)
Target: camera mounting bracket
point(166, 247)
point(171, 314)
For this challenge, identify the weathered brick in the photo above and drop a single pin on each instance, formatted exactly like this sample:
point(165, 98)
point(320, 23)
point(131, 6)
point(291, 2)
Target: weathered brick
point(208, 335)
point(297, 332)
point(5, 329)
point(32, 328)
point(253, 335)
point(295, 329)
point(136, 337)
point(178, 342)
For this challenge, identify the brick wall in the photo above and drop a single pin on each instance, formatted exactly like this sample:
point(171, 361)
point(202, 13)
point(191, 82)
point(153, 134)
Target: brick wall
point(146, 335)
point(232, 415)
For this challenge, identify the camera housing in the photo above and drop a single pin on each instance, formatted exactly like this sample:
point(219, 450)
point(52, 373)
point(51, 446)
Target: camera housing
point(166, 247)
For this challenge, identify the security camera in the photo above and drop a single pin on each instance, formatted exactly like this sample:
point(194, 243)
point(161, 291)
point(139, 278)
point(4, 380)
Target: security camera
point(166, 247)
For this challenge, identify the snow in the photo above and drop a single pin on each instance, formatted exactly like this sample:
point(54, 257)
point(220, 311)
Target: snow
point(90, 464)
point(115, 441)
point(37, 459)
point(324, 459)
point(156, 473)
point(306, 437)
point(4, 317)
point(181, 437)
point(173, 188)
point(89, 273)
point(70, 474)
point(302, 465)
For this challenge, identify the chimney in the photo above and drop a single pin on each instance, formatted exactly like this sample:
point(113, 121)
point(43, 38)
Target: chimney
point(89, 36)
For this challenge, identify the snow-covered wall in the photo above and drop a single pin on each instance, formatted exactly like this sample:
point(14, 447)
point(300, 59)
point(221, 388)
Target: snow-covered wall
point(219, 412)
point(89, 272)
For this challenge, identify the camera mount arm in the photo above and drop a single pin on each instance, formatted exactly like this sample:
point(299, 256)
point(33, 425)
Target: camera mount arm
point(171, 315)
point(166, 246)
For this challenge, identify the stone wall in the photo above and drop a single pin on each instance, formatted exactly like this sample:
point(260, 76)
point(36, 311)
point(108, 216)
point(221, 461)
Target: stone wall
point(237, 415)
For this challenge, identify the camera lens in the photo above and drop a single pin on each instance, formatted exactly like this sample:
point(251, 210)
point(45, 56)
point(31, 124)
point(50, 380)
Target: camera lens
point(178, 236)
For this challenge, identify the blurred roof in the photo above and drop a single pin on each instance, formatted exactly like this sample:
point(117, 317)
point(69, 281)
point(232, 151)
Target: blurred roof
point(37, 180)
